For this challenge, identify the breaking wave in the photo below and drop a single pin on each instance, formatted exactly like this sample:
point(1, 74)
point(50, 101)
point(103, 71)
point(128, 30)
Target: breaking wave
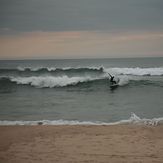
point(53, 69)
point(63, 81)
point(134, 119)
point(137, 71)
point(48, 81)
point(61, 77)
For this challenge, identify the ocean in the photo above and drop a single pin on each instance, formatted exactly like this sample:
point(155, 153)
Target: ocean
point(77, 91)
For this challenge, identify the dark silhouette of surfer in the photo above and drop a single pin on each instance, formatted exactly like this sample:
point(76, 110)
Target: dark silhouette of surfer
point(112, 79)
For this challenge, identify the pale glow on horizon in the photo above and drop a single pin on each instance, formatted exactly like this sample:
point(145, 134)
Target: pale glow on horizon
point(81, 44)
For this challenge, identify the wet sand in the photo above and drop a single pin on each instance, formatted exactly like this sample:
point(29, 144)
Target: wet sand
point(81, 144)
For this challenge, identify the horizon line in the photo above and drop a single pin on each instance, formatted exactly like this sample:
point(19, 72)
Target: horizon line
point(19, 59)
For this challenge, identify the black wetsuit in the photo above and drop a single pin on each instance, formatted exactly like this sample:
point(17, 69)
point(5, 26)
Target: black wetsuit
point(112, 80)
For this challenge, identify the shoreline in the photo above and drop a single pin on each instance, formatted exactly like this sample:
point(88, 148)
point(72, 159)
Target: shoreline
point(133, 120)
point(81, 143)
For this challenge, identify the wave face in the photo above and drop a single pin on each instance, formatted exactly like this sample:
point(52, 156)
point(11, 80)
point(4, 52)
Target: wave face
point(134, 119)
point(61, 77)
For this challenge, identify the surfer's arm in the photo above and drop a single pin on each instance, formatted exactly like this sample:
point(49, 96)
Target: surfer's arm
point(109, 75)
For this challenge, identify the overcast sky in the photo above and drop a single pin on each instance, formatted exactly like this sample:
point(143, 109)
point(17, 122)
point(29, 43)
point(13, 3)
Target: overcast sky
point(80, 28)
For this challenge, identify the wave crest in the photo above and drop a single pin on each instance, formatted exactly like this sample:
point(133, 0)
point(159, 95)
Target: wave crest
point(66, 69)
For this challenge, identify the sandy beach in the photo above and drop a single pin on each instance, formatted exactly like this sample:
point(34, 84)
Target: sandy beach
point(65, 144)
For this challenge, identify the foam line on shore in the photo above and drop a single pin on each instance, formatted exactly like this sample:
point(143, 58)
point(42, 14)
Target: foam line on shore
point(134, 119)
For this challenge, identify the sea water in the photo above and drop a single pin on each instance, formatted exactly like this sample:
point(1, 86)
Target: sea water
point(77, 91)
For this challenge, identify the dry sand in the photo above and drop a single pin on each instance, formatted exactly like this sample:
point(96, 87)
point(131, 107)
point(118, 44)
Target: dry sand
point(77, 144)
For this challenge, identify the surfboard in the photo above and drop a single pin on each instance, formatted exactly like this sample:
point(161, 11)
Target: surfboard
point(114, 85)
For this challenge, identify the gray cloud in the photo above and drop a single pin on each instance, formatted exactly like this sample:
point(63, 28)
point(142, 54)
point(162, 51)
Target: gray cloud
point(60, 15)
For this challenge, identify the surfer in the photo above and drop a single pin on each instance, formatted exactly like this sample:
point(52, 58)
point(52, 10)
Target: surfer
point(112, 79)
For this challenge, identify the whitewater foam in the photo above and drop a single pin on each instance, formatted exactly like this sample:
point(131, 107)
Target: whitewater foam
point(50, 81)
point(123, 80)
point(136, 71)
point(134, 119)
